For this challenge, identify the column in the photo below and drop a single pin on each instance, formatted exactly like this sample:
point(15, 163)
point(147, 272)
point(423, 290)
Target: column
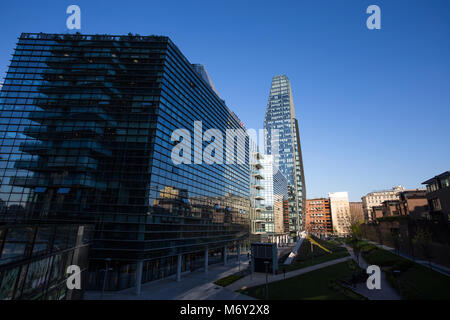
point(225, 255)
point(180, 258)
point(139, 267)
point(206, 259)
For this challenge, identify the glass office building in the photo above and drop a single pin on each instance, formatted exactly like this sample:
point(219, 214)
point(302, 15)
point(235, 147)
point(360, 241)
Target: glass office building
point(34, 258)
point(85, 127)
point(282, 140)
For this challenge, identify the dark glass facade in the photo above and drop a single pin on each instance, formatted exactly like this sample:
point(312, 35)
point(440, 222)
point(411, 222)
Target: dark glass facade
point(86, 124)
point(34, 259)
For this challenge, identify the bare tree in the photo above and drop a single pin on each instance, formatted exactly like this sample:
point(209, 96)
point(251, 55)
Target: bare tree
point(422, 239)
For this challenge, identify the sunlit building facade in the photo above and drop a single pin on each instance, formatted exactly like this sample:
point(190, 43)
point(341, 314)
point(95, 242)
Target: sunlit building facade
point(340, 213)
point(373, 200)
point(275, 197)
point(282, 141)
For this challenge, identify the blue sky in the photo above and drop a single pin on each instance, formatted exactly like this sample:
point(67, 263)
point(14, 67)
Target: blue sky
point(373, 105)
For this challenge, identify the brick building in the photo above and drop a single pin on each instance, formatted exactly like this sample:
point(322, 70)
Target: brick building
point(318, 217)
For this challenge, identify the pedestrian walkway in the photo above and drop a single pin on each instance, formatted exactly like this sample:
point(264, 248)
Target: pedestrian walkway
point(434, 266)
point(256, 279)
point(196, 285)
point(385, 293)
point(293, 254)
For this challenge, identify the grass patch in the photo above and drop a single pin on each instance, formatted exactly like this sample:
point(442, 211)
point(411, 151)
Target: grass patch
point(314, 285)
point(317, 244)
point(412, 281)
point(303, 263)
point(330, 245)
point(323, 251)
point(226, 281)
point(421, 283)
point(383, 258)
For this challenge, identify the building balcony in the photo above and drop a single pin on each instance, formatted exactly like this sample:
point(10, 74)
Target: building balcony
point(26, 164)
point(34, 147)
point(35, 131)
point(257, 174)
point(94, 146)
point(257, 165)
point(44, 115)
point(79, 162)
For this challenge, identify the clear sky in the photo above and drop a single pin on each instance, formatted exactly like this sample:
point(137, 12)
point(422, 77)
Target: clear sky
point(373, 105)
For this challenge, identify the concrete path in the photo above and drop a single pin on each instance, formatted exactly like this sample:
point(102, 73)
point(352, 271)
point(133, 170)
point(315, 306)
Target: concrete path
point(293, 254)
point(434, 266)
point(256, 279)
point(197, 285)
point(385, 293)
point(287, 248)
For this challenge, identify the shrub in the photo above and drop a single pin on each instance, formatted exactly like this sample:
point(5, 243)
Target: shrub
point(402, 265)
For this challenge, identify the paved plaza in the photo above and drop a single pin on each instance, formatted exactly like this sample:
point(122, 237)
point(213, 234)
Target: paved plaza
point(196, 285)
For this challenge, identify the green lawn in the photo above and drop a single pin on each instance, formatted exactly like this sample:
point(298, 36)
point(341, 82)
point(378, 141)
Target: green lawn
point(414, 280)
point(382, 258)
point(313, 285)
point(228, 280)
point(304, 255)
point(307, 261)
point(329, 244)
point(419, 282)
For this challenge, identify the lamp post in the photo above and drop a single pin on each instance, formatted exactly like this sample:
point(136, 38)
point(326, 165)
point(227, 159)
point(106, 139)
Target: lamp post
point(107, 261)
point(267, 279)
point(312, 253)
point(239, 259)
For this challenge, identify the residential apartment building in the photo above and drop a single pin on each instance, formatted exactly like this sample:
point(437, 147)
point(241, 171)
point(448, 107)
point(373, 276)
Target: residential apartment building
point(390, 208)
point(438, 197)
point(256, 185)
point(411, 203)
point(375, 199)
point(274, 198)
point(318, 217)
point(340, 213)
point(86, 130)
point(414, 203)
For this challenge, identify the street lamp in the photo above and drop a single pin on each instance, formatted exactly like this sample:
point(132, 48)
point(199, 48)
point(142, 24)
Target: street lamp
point(107, 261)
point(239, 260)
point(267, 279)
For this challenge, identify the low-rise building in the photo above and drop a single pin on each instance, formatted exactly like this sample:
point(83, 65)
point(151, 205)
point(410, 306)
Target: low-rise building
point(318, 217)
point(438, 197)
point(414, 203)
point(390, 208)
point(375, 199)
point(377, 212)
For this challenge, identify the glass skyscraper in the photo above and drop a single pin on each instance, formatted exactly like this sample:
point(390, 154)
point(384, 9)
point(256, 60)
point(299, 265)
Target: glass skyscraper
point(282, 140)
point(85, 135)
